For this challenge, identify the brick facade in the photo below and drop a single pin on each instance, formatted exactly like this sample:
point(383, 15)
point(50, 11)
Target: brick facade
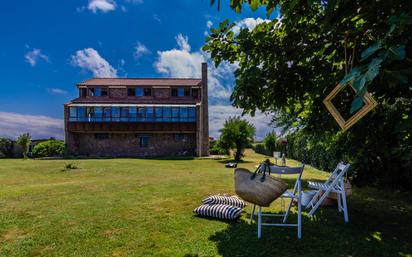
point(90, 133)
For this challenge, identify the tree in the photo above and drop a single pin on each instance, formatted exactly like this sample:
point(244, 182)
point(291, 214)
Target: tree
point(288, 65)
point(237, 134)
point(24, 140)
point(5, 147)
point(270, 141)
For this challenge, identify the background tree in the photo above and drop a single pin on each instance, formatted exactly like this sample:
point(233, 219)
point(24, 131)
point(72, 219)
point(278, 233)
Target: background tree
point(271, 141)
point(289, 65)
point(5, 147)
point(24, 141)
point(237, 134)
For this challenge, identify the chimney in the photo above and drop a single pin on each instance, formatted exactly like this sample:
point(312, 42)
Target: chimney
point(204, 113)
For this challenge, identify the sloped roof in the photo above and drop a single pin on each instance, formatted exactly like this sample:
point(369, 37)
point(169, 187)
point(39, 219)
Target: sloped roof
point(140, 82)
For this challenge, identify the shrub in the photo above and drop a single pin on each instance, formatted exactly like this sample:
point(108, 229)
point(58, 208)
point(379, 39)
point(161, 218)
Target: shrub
point(271, 142)
point(6, 148)
point(49, 148)
point(261, 149)
point(217, 148)
point(69, 166)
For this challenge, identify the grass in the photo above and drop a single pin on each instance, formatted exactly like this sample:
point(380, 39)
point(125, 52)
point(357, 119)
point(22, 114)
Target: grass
point(138, 207)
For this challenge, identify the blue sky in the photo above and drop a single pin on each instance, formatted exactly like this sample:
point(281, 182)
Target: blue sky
point(48, 46)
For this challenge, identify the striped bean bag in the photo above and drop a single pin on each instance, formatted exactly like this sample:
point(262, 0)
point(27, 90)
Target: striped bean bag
point(228, 200)
point(220, 211)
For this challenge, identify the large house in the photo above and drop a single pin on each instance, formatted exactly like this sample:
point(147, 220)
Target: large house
point(139, 117)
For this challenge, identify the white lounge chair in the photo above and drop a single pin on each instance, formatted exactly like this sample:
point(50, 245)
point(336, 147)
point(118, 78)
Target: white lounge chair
point(295, 194)
point(335, 184)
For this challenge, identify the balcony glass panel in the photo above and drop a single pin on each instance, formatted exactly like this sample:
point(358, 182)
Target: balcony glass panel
point(149, 113)
point(115, 113)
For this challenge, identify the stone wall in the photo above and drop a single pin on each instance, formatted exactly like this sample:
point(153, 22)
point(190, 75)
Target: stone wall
point(128, 145)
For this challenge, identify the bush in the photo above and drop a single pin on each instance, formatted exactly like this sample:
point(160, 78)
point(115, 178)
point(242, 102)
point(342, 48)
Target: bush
point(271, 142)
point(261, 149)
point(217, 148)
point(49, 148)
point(6, 146)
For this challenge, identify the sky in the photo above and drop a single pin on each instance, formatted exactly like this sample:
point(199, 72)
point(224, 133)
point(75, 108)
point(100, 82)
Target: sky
point(48, 46)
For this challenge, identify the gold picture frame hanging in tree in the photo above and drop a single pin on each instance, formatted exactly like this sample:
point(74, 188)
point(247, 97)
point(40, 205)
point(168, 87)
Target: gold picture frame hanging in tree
point(370, 103)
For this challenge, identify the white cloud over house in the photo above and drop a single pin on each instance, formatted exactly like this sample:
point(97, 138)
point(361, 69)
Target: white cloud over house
point(101, 5)
point(57, 91)
point(39, 127)
point(183, 63)
point(34, 56)
point(90, 60)
point(140, 50)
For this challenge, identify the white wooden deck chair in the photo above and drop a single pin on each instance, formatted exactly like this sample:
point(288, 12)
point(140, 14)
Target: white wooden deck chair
point(295, 194)
point(336, 184)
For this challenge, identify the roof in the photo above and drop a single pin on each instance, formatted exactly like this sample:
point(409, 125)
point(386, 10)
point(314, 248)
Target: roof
point(131, 100)
point(140, 82)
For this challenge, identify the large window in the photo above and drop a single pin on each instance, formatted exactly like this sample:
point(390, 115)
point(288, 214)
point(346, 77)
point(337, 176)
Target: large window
point(144, 140)
point(139, 91)
point(180, 91)
point(132, 114)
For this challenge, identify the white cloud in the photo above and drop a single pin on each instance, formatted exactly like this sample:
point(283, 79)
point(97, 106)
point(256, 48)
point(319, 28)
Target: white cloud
point(34, 56)
point(219, 113)
point(14, 124)
point(181, 62)
point(101, 5)
point(157, 18)
point(135, 1)
point(90, 60)
point(249, 23)
point(209, 24)
point(57, 91)
point(140, 50)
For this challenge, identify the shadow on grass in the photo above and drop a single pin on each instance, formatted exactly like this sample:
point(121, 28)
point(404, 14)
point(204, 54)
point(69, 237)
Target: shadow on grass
point(379, 226)
point(232, 160)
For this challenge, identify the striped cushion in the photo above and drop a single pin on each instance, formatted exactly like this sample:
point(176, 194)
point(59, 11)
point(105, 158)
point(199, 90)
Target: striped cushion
point(220, 211)
point(229, 200)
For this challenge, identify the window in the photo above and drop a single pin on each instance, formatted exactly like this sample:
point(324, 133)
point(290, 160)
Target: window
point(180, 137)
point(174, 91)
point(139, 91)
point(195, 92)
point(149, 114)
point(105, 91)
point(132, 113)
point(90, 91)
point(81, 113)
point(97, 91)
point(167, 113)
point(147, 91)
point(175, 113)
point(101, 136)
point(180, 91)
point(144, 140)
point(158, 114)
point(107, 113)
point(83, 92)
point(191, 114)
point(72, 113)
point(131, 91)
point(98, 113)
point(140, 113)
point(124, 113)
point(115, 113)
point(184, 114)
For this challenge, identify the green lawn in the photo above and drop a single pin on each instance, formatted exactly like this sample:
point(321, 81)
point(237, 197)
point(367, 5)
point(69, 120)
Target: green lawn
point(137, 207)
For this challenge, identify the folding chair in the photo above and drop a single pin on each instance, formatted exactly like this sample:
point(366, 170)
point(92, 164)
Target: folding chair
point(295, 194)
point(335, 184)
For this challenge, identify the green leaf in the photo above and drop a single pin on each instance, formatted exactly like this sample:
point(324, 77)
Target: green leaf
point(359, 84)
point(357, 103)
point(370, 50)
point(373, 68)
point(397, 53)
point(254, 5)
point(353, 74)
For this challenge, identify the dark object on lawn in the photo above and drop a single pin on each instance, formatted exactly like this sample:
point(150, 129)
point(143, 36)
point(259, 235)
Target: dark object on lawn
point(70, 166)
point(258, 187)
point(231, 165)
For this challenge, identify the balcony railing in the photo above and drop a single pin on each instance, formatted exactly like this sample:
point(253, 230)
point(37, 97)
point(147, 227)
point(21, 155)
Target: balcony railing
point(132, 114)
